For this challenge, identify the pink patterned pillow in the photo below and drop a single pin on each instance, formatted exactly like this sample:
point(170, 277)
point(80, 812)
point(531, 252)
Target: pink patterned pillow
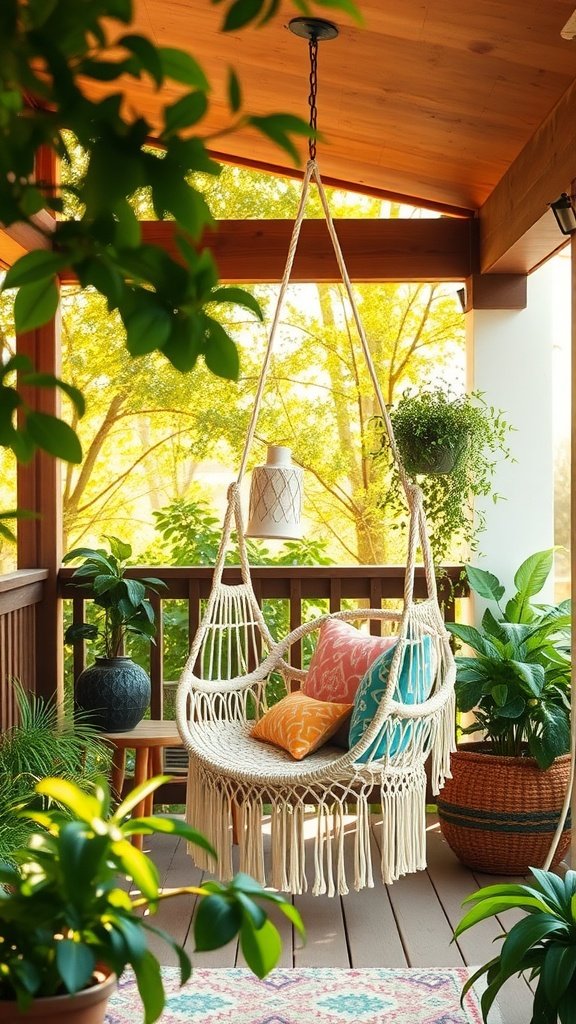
point(343, 654)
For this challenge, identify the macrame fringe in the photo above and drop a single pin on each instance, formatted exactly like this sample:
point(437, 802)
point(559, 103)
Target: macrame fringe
point(402, 833)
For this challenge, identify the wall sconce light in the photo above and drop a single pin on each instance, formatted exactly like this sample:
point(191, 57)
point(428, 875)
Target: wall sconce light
point(565, 214)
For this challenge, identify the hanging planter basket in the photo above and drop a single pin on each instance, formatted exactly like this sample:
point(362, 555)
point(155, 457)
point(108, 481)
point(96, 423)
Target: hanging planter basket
point(499, 814)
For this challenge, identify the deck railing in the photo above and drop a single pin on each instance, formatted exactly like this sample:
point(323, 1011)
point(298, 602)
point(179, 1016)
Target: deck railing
point(333, 585)
point(20, 594)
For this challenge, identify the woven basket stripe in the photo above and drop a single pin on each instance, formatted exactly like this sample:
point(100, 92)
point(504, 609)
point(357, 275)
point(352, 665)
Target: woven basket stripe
point(455, 813)
point(510, 827)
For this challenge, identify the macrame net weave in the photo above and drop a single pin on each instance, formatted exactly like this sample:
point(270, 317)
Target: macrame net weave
point(233, 778)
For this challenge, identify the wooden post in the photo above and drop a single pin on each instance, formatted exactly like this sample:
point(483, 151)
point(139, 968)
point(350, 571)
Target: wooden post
point(40, 490)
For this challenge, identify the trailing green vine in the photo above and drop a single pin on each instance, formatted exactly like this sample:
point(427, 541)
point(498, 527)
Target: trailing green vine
point(437, 430)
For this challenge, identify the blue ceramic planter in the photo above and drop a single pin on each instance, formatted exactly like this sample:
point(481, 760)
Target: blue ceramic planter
point(114, 692)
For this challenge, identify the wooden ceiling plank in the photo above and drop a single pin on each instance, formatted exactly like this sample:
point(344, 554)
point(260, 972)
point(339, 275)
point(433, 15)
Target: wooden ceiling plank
point(20, 238)
point(543, 170)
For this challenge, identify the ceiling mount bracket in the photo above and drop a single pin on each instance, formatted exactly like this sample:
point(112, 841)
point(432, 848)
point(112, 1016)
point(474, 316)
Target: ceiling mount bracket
point(313, 29)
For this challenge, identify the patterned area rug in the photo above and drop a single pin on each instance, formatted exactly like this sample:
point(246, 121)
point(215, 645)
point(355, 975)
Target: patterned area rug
point(307, 996)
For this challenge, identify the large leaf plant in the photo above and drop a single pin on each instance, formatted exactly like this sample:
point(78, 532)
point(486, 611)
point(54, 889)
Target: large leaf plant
point(63, 909)
point(542, 944)
point(125, 602)
point(518, 683)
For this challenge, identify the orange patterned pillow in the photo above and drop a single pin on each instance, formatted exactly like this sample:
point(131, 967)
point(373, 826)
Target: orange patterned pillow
point(300, 724)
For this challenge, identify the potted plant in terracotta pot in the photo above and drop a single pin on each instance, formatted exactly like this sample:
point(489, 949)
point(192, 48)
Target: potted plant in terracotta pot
point(115, 691)
point(68, 930)
point(448, 442)
point(542, 944)
point(500, 809)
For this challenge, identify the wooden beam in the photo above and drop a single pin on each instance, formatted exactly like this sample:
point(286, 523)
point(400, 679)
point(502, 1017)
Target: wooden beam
point(496, 291)
point(518, 205)
point(375, 250)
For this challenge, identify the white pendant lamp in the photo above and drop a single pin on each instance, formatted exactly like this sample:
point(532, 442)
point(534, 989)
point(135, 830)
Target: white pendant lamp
point(275, 507)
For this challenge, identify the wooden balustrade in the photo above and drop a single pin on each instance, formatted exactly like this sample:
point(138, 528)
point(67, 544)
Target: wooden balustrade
point(370, 585)
point(20, 594)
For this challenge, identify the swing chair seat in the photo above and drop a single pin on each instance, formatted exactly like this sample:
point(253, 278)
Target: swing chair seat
point(234, 778)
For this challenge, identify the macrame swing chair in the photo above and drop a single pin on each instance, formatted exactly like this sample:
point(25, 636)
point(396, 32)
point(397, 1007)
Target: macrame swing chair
point(234, 778)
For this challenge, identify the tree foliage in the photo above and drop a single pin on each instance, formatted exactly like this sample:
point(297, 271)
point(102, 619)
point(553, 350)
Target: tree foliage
point(50, 50)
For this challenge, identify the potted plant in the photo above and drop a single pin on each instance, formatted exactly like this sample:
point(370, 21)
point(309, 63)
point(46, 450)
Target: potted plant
point(449, 443)
point(500, 809)
point(115, 691)
point(67, 927)
point(542, 943)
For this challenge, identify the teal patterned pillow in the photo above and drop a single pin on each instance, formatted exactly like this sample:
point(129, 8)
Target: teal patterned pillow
point(414, 683)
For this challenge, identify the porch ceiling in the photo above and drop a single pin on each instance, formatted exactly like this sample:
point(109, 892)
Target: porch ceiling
point(433, 100)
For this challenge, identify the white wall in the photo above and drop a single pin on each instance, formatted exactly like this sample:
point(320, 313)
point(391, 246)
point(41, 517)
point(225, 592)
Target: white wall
point(510, 360)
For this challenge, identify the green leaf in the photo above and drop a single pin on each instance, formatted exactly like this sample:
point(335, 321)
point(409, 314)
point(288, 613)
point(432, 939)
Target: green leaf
point(47, 380)
point(234, 91)
point(492, 905)
point(120, 549)
point(136, 591)
point(485, 583)
point(140, 868)
point(138, 794)
point(348, 6)
point(240, 297)
point(558, 971)
point(472, 636)
point(524, 935)
point(83, 805)
point(169, 826)
point(217, 921)
point(35, 304)
point(241, 13)
point(76, 963)
point(221, 354)
point(279, 128)
point(34, 266)
point(150, 987)
point(261, 947)
point(54, 436)
point(182, 67)
point(147, 55)
point(533, 573)
point(80, 631)
point(185, 112)
point(148, 327)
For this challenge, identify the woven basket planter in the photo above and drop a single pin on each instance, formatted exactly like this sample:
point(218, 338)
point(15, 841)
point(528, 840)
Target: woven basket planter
point(499, 814)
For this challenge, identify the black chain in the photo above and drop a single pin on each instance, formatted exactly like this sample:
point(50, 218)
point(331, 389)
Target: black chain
point(313, 47)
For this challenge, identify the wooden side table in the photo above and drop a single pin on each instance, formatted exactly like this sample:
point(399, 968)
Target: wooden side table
point(147, 740)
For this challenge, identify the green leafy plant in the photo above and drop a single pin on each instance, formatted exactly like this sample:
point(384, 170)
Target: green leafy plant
point(47, 740)
point(542, 943)
point(53, 931)
point(450, 444)
point(127, 608)
point(518, 684)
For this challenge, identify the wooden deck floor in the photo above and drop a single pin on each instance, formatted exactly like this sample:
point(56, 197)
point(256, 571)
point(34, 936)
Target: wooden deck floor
point(407, 924)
